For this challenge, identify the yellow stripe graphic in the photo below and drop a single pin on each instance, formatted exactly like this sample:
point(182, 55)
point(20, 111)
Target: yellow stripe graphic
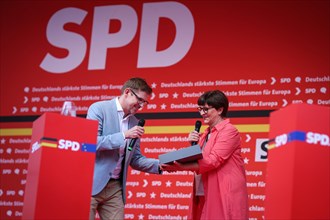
point(271, 146)
point(16, 132)
point(184, 129)
point(45, 144)
point(178, 129)
point(253, 128)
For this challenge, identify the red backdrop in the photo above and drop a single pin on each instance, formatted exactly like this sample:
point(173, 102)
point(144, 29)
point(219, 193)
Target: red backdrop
point(264, 54)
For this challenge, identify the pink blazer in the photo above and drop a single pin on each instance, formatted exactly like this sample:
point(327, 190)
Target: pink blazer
point(223, 175)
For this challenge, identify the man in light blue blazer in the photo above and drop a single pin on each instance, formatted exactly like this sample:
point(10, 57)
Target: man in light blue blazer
point(117, 128)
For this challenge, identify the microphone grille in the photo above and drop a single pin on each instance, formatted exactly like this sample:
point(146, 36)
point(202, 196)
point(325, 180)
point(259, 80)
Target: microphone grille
point(141, 122)
point(198, 124)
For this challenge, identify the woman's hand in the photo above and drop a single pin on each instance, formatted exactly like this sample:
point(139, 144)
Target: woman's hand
point(193, 136)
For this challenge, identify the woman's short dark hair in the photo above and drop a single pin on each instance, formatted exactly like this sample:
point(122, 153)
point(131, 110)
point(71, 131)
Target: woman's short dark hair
point(216, 99)
point(137, 84)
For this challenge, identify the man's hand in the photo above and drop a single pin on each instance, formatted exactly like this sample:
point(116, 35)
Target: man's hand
point(134, 132)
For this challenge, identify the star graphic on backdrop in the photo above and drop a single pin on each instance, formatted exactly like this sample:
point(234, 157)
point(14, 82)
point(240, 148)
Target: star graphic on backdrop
point(246, 161)
point(3, 141)
point(153, 85)
point(163, 106)
point(141, 216)
point(175, 95)
point(152, 195)
point(168, 183)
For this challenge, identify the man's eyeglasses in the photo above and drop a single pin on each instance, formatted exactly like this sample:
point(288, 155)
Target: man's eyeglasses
point(141, 101)
point(204, 109)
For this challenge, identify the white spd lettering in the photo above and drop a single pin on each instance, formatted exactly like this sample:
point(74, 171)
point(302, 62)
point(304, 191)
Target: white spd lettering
point(35, 146)
point(66, 145)
point(316, 138)
point(281, 140)
point(101, 40)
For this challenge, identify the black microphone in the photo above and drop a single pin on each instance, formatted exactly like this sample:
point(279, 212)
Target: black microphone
point(131, 144)
point(198, 125)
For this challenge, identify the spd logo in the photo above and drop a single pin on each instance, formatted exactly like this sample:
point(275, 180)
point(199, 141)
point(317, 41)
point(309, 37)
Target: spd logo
point(68, 145)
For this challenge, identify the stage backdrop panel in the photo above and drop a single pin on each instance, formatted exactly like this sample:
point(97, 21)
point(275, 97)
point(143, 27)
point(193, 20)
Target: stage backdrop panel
point(265, 55)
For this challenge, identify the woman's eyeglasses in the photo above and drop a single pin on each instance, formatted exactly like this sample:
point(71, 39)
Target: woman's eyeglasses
point(141, 101)
point(204, 109)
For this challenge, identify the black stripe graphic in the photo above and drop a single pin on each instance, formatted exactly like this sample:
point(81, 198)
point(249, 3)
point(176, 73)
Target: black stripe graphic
point(163, 115)
point(48, 139)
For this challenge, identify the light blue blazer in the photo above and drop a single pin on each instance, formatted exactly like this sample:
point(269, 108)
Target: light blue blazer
point(109, 140)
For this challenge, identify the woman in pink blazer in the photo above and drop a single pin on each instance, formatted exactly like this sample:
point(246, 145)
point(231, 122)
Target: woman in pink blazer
point(220, 190)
